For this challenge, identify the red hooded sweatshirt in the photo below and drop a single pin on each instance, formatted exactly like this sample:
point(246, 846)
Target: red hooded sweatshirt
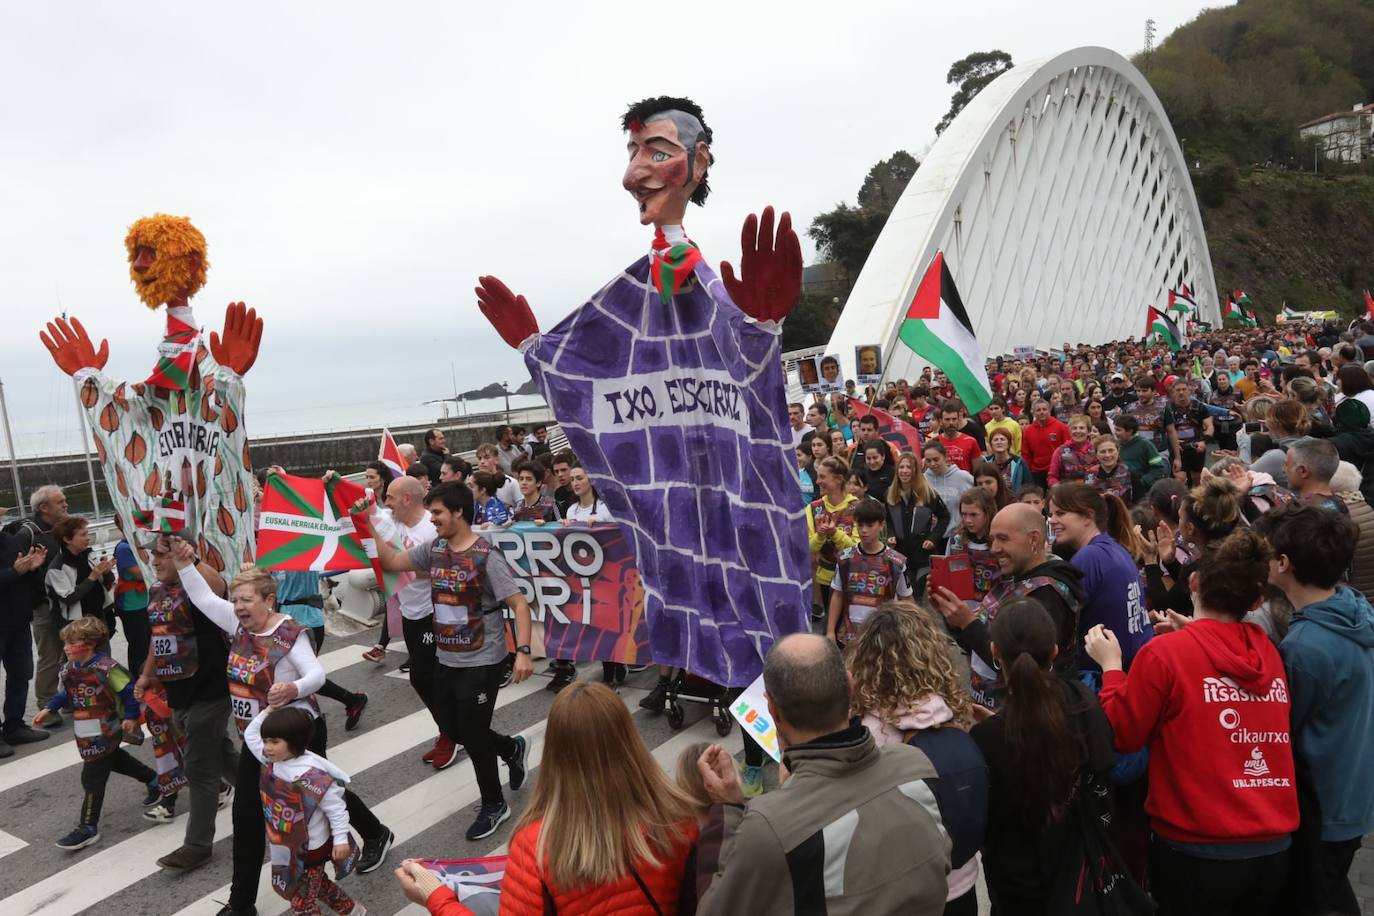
point(1211, 702)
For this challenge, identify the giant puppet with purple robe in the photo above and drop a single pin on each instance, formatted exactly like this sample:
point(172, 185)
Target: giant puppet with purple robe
point(669, 385)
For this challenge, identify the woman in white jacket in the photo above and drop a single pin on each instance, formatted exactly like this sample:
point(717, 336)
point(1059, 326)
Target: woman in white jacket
point(272, 664)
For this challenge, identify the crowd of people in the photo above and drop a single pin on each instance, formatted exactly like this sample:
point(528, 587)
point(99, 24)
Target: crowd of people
point(1106, 642)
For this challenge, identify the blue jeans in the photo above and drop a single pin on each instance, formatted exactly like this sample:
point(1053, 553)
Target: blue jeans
point(16, 656)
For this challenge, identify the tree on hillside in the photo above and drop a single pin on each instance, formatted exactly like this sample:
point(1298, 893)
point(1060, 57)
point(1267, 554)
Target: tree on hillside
point(971, 74)
point(844, 236)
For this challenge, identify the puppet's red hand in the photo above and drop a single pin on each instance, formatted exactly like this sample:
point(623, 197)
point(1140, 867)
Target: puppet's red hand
point(71, 346)
point(508, 313)
point(238, 349)
point(770, 269)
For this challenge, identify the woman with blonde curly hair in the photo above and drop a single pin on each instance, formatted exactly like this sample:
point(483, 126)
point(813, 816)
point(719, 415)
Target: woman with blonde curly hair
point(906, 688)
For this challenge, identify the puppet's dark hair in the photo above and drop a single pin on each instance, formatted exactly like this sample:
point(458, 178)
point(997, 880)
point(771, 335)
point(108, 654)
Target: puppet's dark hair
point(640, 112)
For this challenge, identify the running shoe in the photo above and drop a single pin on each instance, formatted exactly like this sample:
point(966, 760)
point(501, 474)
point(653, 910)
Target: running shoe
point(84, 836)
point(153, 795)
point(24, 735)
point(751, 779)
point(375, 655)
point(516, 762)
point(226, 795)
point(354, 711)
point(489, 818)
point(562, 677)
point(404, 669)
point(508, 670)
point(161, 814)
point(445, 753)
point(428, 756)
point(374, 851)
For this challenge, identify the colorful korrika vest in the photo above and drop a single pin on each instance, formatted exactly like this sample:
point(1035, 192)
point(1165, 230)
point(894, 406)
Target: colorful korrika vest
point(1187, 424)
point(95, 707)
point(253, 667)
point(843, 520)
point(169, 744)
point(1151, 419)
point(455, 581)
point(542, 511)
point(985, 568)
point(1074, 461)
point(174, 634)
point(287, 807)
point(986, 684)
point(868, 581)
point(1117, 482)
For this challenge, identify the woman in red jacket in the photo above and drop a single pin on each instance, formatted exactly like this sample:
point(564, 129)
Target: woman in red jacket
point(606, 832)
point(1211, 703)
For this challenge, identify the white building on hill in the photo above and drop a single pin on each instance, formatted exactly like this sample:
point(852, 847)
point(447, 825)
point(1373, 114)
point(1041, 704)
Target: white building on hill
point(1346, 136)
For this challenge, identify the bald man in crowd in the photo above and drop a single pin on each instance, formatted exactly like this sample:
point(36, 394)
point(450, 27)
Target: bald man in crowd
point(1020, 542)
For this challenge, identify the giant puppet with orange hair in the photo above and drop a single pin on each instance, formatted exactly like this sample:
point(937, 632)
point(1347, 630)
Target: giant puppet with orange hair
point(173, 446)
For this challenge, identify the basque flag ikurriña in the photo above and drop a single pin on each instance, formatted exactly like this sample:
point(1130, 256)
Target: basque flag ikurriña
point(390, 455)
point(305, 525)
point(937, 329)
point(167, 516)
point(176, 356)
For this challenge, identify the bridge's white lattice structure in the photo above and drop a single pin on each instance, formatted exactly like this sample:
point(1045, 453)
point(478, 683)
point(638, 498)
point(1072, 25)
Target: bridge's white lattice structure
point(1063, 205)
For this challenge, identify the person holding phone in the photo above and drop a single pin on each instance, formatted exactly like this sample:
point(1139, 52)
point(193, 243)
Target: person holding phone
point(79, 583)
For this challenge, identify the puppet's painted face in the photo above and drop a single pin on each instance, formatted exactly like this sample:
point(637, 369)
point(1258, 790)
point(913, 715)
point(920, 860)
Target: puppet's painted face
point(662, 175)
point(166, 259)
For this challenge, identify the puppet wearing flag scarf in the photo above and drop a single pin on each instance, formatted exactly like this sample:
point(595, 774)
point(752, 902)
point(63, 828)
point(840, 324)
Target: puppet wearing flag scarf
point(670, 388)
point(178, 437)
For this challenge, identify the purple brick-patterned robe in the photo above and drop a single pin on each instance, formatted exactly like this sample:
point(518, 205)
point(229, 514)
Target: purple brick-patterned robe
point(678, 413)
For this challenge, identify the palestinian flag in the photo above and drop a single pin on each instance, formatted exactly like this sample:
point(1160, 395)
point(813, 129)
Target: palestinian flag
point(1164, 329)
point(1251, 320)
point(305, 525)
point(176, 356)
point(937, 329)
point(1234, 312)
point(390, 455)
point(167, 517)
point(1290, 314)
point(1181, 301)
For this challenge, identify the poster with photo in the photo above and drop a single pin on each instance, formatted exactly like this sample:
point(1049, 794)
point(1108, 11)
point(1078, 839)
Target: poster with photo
point(832, 376)
point(868, 364)
point(809, 374)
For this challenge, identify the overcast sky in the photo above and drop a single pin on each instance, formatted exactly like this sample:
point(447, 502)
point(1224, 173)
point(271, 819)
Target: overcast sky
point(355, 166)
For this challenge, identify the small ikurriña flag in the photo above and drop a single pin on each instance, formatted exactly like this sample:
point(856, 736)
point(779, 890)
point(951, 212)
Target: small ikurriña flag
point(176, 356)
point(305, 525)
point(167, 517)
point(1164, 329)
point(390, 455)
point(938, 330)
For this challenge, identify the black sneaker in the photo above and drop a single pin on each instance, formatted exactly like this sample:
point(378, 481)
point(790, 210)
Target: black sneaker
point(508, 670)
point(562, 677)
point(153, 795)
point(516, 762)
point(612, 674)
point(5, 750)
point(489, 817)
point(405, 666)
point(656, 699)
point(374, 852)
point(354, 711)
point(24, 735)
point(228, 910)
point(84, 836)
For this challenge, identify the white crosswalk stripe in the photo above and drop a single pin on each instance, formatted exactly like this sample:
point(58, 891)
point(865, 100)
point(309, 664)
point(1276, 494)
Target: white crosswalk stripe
point(437, 800)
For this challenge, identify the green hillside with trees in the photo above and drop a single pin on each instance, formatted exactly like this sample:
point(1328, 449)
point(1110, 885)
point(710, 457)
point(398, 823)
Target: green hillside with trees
point(1236, 82)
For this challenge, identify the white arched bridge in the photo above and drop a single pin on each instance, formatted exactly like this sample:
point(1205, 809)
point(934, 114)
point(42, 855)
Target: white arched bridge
point(1063, 205)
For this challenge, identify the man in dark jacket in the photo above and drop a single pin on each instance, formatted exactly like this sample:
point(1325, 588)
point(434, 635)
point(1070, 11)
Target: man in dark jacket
point(433, 455)
point(16, 639)
point(854, 829)
point(49, 505)
point(1354, 440)
point(1019, 542)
